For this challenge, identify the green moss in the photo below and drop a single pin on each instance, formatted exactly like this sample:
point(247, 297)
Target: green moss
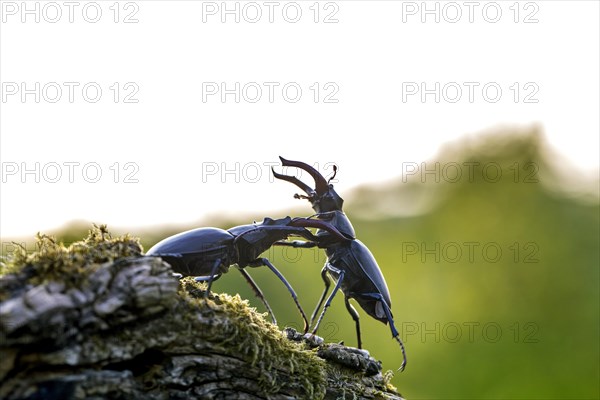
point(387, 381)
point(247, 333)
point(52, 260)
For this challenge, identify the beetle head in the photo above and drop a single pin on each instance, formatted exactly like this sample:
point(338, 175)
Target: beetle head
point(322, 198)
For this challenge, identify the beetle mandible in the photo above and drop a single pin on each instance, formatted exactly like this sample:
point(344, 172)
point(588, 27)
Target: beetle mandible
point(349, 261)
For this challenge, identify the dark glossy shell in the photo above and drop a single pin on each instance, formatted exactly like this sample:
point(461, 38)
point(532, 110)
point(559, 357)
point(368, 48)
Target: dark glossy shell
point(340, 221)
point(194, 252)
point(254, 239)
point(362, 275)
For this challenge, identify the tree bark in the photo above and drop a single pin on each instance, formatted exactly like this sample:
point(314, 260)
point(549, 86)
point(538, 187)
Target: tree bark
point(127, 328)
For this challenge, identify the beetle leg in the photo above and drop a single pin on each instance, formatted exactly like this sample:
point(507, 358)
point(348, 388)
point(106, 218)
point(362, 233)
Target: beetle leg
point(258, 293)
point(356, 319)
point(264, 261)
point(210, 279)
point(332, 295)
point(212, 276)
point(207, 278)
point(327, 282)
point(388, 315)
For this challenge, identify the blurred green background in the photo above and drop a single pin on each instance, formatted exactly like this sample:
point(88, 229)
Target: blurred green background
point(493, 273)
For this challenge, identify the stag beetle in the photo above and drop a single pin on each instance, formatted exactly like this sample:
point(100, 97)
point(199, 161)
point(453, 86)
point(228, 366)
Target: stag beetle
point(349, 261)
point(208, 252)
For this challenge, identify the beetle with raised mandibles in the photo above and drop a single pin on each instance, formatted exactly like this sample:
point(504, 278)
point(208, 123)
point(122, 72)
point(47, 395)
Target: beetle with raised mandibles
point(207, 253)
point(349, 261)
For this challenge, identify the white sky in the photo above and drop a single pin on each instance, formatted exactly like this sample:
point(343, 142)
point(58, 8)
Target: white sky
point(370, 61)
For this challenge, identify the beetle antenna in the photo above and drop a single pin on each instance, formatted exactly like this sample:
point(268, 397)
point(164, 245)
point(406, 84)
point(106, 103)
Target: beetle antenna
point(334, 173)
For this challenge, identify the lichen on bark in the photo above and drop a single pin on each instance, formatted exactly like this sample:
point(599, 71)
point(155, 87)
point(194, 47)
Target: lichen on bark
point(97, 319)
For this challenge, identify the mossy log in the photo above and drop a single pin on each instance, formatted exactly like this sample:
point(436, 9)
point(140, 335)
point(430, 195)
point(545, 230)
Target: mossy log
point(99, 320)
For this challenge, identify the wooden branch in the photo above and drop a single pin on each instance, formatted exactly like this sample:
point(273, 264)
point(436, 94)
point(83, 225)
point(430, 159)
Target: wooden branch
point(98, 320)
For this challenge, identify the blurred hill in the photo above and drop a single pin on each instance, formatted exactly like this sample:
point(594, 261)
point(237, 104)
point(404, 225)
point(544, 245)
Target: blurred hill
point(491, 254)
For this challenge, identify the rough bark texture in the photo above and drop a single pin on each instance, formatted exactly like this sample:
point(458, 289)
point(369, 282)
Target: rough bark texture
point(97, 320)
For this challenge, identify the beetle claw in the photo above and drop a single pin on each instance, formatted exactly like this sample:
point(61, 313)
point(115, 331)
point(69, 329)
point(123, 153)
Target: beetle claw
point(313, 340)
point(403, 365)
